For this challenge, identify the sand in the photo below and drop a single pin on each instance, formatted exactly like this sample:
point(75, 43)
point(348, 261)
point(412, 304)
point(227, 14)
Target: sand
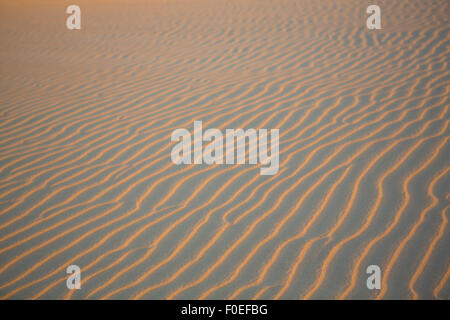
point(86, 177)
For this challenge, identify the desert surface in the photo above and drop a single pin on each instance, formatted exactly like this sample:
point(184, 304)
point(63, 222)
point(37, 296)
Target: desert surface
point(86, 176)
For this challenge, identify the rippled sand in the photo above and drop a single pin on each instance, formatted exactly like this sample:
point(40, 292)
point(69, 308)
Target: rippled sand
point(85, 170)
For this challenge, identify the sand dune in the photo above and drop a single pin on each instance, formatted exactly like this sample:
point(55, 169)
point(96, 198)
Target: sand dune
point(86, 176)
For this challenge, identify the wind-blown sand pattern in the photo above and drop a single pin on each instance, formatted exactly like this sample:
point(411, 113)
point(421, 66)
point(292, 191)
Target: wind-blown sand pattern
point(86, 176)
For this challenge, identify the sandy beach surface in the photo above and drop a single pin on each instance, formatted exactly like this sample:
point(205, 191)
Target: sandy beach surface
point(86, 176)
